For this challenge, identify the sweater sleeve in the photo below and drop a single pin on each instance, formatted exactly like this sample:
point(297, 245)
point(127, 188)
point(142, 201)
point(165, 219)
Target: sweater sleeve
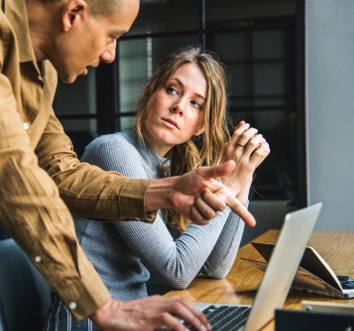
point(176, 262)
point(224, 253)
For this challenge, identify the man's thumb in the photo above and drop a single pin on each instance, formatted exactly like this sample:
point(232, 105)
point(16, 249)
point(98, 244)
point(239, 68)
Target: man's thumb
point(220, 170)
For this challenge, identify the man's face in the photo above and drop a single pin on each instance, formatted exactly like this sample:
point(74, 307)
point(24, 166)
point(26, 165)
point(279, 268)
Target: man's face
point(91, 40)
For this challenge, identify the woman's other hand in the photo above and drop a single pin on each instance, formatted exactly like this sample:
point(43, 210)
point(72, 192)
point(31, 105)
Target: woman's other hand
point(248, 149)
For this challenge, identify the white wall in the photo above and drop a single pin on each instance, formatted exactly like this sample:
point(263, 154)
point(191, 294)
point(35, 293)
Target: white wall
point(330, 110)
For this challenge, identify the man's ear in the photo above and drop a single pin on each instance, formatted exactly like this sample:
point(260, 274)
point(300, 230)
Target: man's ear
point(199, 130)
point(71, 12)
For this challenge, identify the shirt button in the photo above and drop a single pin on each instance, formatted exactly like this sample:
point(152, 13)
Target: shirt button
point(38, 259)
point(72, 305)
point(25, 126)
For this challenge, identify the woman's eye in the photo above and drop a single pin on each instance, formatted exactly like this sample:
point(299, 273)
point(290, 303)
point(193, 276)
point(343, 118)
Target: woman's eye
point(171, 90)
point(196, 104)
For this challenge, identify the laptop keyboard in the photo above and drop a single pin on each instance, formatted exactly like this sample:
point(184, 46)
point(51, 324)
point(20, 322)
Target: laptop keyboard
point(225, 318)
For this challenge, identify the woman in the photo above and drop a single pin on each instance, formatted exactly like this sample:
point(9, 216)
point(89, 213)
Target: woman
point(180, 125)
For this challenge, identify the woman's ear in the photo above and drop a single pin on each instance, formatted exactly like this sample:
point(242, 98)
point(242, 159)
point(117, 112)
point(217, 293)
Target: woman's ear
point(71, 12)
point(199, 130)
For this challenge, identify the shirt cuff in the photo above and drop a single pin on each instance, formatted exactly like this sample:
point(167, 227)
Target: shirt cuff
point(83, 297)
point(131, 201)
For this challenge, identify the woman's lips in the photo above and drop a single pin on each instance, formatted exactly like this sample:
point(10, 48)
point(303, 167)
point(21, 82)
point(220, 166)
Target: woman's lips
point(170, 123)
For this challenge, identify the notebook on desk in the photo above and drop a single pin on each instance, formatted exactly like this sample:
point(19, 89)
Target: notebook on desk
point(277, 279)
point(314, 274)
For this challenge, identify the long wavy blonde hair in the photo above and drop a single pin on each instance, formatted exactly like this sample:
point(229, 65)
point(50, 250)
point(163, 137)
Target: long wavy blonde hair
point(207, 148)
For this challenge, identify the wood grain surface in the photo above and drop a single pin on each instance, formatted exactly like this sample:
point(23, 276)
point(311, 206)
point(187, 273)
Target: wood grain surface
point(241, 284)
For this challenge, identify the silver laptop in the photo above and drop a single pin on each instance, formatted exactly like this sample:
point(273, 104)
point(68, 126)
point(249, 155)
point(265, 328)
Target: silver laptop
point(277, 279)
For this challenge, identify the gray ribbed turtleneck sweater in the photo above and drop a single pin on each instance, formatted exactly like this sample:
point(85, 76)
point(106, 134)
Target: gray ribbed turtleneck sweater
point(121, 252)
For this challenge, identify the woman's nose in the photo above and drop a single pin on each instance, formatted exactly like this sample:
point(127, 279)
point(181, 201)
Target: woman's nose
point(178, 107)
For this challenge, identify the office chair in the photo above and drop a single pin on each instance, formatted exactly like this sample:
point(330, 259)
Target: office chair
point(24, 293)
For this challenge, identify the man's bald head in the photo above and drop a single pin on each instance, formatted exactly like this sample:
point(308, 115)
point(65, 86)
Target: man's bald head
point(98, 8)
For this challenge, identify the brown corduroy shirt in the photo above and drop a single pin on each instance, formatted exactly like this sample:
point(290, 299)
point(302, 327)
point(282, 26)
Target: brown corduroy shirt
point(41, 178)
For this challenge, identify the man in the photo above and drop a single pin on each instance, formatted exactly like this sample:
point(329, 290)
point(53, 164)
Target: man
point(41, 178)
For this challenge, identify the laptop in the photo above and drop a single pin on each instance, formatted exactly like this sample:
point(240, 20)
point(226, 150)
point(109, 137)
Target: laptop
point(277, 279)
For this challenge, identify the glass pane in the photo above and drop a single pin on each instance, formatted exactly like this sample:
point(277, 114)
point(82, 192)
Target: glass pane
point(76, 98)
point(269, 79)
point(126, 122)
point(163, 46)
point(80, 125)
point(231, 47)
point(232, 10)
point(133, 71)
point(257, 70)
point(240, 81)
point(81, 133)
point(269, 44)
point(161, 16)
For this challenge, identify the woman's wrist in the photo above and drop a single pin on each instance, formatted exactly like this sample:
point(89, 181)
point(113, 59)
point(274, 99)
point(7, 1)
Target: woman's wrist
point(233, 187)
point(243, 195)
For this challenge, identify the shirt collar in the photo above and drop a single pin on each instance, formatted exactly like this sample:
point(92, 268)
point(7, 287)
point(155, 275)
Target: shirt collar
point(16, 13)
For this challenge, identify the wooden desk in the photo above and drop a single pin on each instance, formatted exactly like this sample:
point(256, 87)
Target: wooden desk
point(242, 282)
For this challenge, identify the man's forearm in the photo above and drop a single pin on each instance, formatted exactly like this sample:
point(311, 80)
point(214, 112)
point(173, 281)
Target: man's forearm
point(196, 195)
point(185, 194)
point(158, 194)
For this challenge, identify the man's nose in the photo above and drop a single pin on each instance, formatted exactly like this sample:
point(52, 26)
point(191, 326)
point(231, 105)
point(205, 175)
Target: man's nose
point(109, 53)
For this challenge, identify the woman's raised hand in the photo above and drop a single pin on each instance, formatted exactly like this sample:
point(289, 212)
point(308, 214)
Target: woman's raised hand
point(248, 149)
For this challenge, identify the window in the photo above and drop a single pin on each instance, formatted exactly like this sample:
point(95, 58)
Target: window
point(255, 39)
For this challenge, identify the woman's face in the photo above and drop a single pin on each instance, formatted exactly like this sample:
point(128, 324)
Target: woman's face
point(178, 110)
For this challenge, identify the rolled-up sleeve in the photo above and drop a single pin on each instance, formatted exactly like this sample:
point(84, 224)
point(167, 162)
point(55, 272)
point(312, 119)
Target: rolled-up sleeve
point(37, 218)
point(87, 190)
